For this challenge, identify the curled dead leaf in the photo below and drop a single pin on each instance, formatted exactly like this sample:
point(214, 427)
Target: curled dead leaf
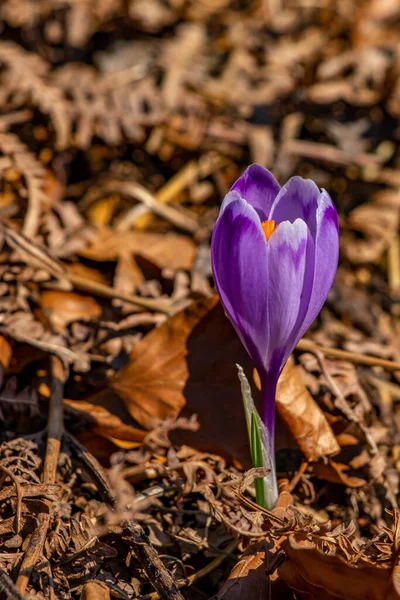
point(108, 425)
point(303, 416)
point(250, 476)
point(249, 577)
point(345, 467)
point(61, 308)
point(338, 472)
point(128, 275)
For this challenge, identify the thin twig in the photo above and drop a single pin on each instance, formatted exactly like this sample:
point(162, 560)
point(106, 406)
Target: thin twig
point(54, 435)
point(106, 291)
point(394, 264)
point(156, 571)
point(318, 151)
point(296, 478)
point(19, 492)
point(92, 465)
point(255, 507)
point(188, 581)
point(181, 218)
point(37, 255)
point(14, 118)
point(8, 587)
point(188, 174)
point(341, 402)
point(172, 190)
point(64, 354)
point(352, 357)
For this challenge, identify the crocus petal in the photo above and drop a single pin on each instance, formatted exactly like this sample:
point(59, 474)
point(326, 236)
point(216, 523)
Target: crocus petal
point(326, 257)
point(239, 261)
point(290, 281)
point(259, 188)
point(230, 197)
point(298, 199)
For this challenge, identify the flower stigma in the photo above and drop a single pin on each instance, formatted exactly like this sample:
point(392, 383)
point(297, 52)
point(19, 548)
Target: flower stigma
point(268, 228)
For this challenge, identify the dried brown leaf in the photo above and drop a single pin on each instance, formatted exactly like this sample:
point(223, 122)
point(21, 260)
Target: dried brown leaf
point(337, 470)
point(303, 416)
point(326, 577)
point(189, 363)
point(62, 308)
point(24, 164)
point(319, 561)
point(164, 250)
point(152, 383)
point(95, 590)
point(49, 491)
point(128, 276)
point(107, 424)
point(248, 579)
point(83, 271)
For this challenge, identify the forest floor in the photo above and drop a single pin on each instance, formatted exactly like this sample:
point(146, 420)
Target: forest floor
point(123, 448)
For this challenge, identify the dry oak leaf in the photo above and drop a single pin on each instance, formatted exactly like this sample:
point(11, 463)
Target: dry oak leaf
point(303, 416)
point(164, 250)
point(188, 363)
point(108, 425)
point(152, 383)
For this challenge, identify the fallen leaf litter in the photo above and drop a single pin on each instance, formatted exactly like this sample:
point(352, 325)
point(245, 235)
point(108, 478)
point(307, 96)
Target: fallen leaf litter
point(108, 194)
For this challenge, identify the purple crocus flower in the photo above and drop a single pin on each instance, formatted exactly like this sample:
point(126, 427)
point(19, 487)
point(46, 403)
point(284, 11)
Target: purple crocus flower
point(274, 257)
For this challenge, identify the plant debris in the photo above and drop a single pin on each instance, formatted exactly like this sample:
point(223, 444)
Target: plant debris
point(123, 447)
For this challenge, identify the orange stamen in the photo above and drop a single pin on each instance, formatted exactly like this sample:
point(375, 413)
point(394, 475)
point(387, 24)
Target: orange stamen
point(268, 228)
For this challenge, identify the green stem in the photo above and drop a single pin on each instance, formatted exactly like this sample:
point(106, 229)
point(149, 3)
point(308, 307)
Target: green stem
point(257, 458)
